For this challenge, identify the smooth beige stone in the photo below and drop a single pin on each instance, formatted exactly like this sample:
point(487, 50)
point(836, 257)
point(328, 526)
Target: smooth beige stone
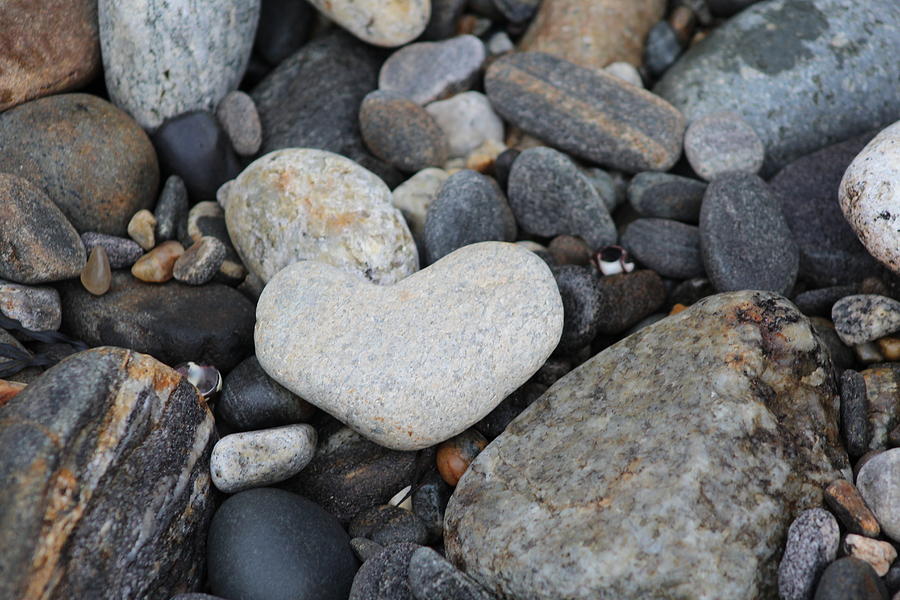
point(386, 23)
point(96, 275)
point(142, 229)
point(158, 265)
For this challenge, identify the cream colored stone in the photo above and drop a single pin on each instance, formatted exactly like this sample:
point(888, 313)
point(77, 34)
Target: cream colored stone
point(158, 265)
point(142, 228)
point(382, 23)
point(468, 120)
point(415, 195)
point(250, 459)
point(878, 554)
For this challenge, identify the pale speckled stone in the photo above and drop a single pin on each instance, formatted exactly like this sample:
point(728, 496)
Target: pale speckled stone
point(722, 142)
point(377, 22)
point(259, 458)
point(667, 466)
point(877, 553)
point(305, 204)
point(37, 308)
point(428, 71)
point(468, 120)
point(142, 229)
point(379, 358)
point(865, 317)
point(626, 72)
point(414, 196)
point(239, 118)
point(870, 197)
point(812, 543)
point(877, 482)
point(162, 59)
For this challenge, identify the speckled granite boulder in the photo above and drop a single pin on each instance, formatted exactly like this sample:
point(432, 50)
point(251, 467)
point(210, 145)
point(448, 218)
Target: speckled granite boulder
point(304, 204)
point(376, 22)
point(870, 196)
point(594, 491)
point(815, 69)
point(162, 58)
point(862, 318)
point(107, 486)
point(252, 459)
point(485, 317)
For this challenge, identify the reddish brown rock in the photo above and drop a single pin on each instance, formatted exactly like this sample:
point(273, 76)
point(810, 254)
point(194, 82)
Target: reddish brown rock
point(9, 389)
point(848, 505)
point(456, 454)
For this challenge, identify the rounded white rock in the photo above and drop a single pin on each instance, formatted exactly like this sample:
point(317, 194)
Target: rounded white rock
point(468, 120)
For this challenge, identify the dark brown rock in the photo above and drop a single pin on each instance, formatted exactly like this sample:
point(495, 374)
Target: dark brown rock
point(90, 158)
point(401, 133)
point(627, 298)
point(107, 485)
point(48, 46)
point(848, 505)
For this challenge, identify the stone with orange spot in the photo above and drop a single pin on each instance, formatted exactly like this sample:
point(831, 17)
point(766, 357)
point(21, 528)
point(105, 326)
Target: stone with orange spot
point(158, 265)
point(456, 454)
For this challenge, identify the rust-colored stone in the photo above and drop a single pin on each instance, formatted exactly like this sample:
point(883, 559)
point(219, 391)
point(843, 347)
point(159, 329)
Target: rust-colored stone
point(848, 505)
point(456, 454)
point(8, 389)
point(889, 348)
point(158, 265)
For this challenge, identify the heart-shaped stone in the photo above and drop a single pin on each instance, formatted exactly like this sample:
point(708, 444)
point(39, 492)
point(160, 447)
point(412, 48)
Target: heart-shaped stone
point(415, 363)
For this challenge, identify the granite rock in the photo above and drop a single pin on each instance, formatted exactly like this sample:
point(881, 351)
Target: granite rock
point(588, 113)
point(468, 120)
point(121, 252)
point(377, 23)
point(385, 576)
point(864, 318)
point(401, 133)
point(720, 143)
point(877, 483)
point(303, 204)
point(666, 196)
point(251, 400)
point(670, 248)
point(880, 385)
point(163, 59)
point(432, 577)
point(812, 543)
point(239, 118)
point(252, 459)
point(36, 308)
point(55, 141)
point(592, 483)
point(107, 490)
point(429, 71)
point(496, 301)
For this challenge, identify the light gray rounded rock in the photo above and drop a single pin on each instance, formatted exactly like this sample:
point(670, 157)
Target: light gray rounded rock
point(468, 120)
point(305, 204)
point(812, 543)
point(414, 197)
point(37, 308)
point(864, 318)
point(162, 59)
point(720, 143)
point(377, 22)
point(378, 358)
point(626, 72)
point(870, 196)
point(877, 482)
point(239, 118)
point(251, 459)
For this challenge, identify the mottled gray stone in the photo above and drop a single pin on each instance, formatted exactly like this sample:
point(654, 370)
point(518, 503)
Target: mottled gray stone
point(432, 577)
point(815, 69)
point(122, 252)
point(819, 302)
point(378, 23)
point(470, 208)
point(388, 525)
point(881, 383)
point(849, 578)
point(385, 576)
point(877, 482)
point(864, 318)
point(200, 262)
point(722, 142)
point(401, 133)
point(870, 193)
point(670, 248)
point(485, 317)
point(107, 491)
point(303, 204)
point(162, 59)
point(171, 210)
point(812, 543)
point(429, 500)
point(36, 308)
point(586, 112)
point(428, 71)
point(666, 196)
point(365, 549)
point(239, 118)
point(468, 120)
point(594, 491)
point(580, 292)
point(251, 459)
point(37, 243)
point(744, 239)
point(662, 48)
point(251, 400)
point(854, 413)
point(612, 188)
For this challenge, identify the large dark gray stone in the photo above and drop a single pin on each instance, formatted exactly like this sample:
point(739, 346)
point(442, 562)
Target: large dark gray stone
point(802, 73)
point(106, 487)
point(670, 248)
point(252, 400)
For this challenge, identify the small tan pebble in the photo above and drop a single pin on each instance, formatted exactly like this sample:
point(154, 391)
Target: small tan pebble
point(96, 275)
point(158, 265)
point(683, 20)
point(142, 229)
point(482, 158)
point(570, 250)
point(889, 348)
point(878, 554)
point(8, 389)
point(456, 454)
point(677, 309)
point(868, 353)
point(626, 72)
point(848, 506)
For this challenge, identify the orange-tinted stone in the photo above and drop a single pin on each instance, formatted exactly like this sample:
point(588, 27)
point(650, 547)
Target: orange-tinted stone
point(158, 265)
point(96, 275)
point(848, 505)
point(456, 454)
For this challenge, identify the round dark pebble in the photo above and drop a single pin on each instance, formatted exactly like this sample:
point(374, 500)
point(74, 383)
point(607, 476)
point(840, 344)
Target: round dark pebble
point(365, 548)
point(627, 298)
point(429, 501)
point(552, 371)
point(850, 579)
point(892, 579)
point(819, 302)
point(388, 525)
point(670, 248)
point(171, 210)
point(252, 400)
point(690, 291)
point(580, 291)
point(503, 165)
point(662, 48)
point(385, 576)
point(496, 421)
point(666, 196)
point(269, 544)
point(432, 577)
point(854, 413)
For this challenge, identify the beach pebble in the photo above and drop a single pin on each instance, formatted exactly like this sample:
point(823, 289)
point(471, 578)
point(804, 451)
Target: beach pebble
point(627, 298)
point(662, 48)
point(239, 118)
point(120, 251)
point(878, 554)
point(96, 275)
point(468, 120)
point(666, 196)
point(158, 265)
point(414, 197)
point(626, 72)
point(36, 308)
point(385, 576)
point(284, 26)
point(251, 400)
point(432, 577)
point(864, 318)
point(580, 292)
point(429, 500)
point(877, 481)
point(171, 210)
point(847, 504)
point(377, 23)
point(850, 578)
point(386, 525)
point(142, 229)
point(456, 454)
point(401, 133)
point(854, 413)
point(670, 248)
point(200, 262)
point(720, 143)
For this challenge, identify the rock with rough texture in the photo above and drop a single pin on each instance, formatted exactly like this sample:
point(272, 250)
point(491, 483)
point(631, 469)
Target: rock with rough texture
point(830, 253)
point(470, 208)
point(303, 204)
point(432, 577)
point(468, 120)
point(586, 112)
point(429, 500)
point(252, 459)
point(239, 118)
point(877, 482)
point(270, 544)
point(662, 49)
point(670, 248)
point(850, 578)
point(744, 239)
point(122, 252)
point(847, 504)
point(549, 196)
point(401, 133)
point(580, 292)
point(90, 158)
point(880, 387)
point(385, 576)
point(386, 525)
point(666, 196)
point(593, 33)
point(627, 298)
point(162, 59)
point(878, 554)
point(722, 142)
point(485, 317)
point(863, 318)
point(870, 195)
point(252, 400)
point(812, 543)
point(854, 413)
point(429, 71)
point(174, 322)
point(377, 23)
point(414, 197)
point(815, 70)
point(311, 100)
point(37, 243)
point(35, 308)
point(200, 262)
point(593, 483)
point(107, 493)
point(49, 47)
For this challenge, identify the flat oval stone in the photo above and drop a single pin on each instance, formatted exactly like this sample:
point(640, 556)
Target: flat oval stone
point(870, 196)
point(304, 204)
point(468, 120)
point(90, 158)
point(593, 491)
point(850, 578)
point(670, 248)
point(812, 543)
point(626, 298)
point(239, 118)
point(864, 318)
point(50, 46)
point(161, 60)
point(72, 442)
point(722, 142)
point(37, 242)
point(158, 265)
point(585, 112)
point(428, 71)
point(489, 310)
point(252, 400)
point(666, 196)
point(120, 251)
point(400, 132)
point(815, 70)
point(377, 23)
point(549, 196)
point(252, 459)
point(744, 239)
